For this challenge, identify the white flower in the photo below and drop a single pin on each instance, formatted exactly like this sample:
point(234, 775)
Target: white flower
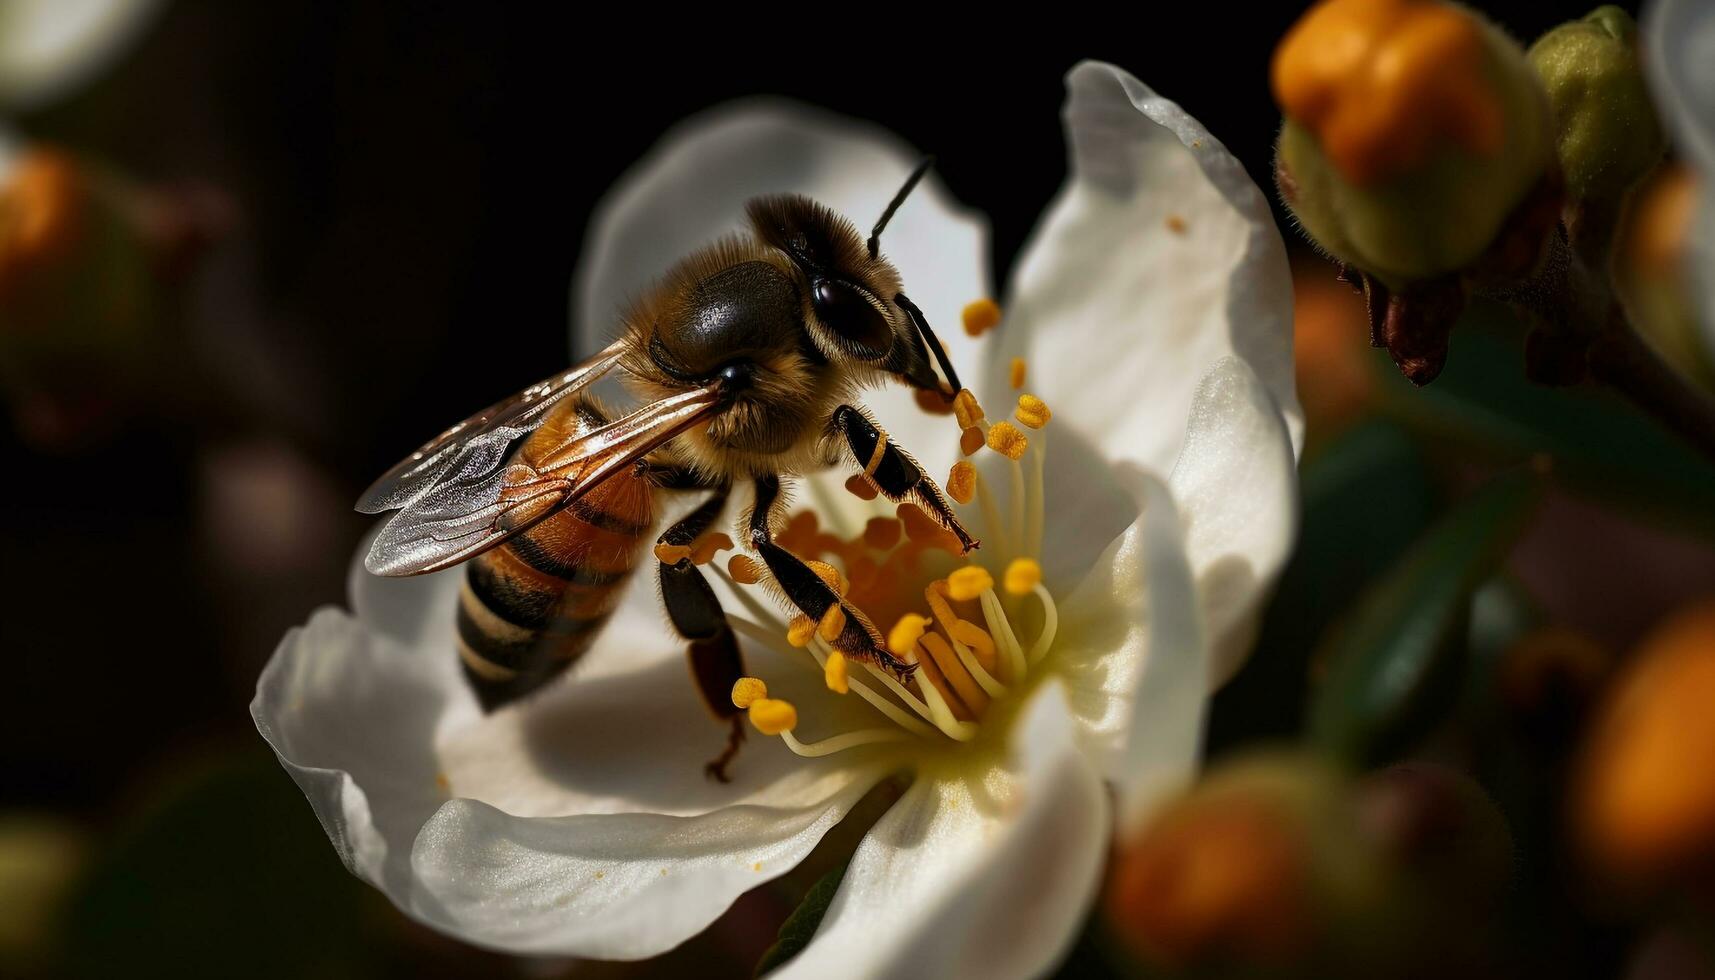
point(49, 48)
point(1679, 44)
point(1153, 311)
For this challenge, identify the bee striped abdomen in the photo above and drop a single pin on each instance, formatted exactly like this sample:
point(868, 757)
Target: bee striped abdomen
point(532, 606)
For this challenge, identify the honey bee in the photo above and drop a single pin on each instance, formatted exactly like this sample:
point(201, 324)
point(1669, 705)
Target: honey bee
point(747, 354)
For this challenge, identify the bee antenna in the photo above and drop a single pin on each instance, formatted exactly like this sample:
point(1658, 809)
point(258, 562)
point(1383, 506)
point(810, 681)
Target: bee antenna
point(898, 199)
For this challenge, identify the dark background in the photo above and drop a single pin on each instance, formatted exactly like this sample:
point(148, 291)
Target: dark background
point(408, 187)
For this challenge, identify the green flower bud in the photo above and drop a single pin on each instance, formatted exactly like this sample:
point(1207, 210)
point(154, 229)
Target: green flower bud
point(1606, 131)
point(1408, 161)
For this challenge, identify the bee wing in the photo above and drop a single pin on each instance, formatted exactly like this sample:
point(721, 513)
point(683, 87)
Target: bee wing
point(479, 445)
point(454, 519)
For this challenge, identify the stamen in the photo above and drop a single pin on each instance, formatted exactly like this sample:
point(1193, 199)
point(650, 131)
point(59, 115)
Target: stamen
point(842, 741)
point(966, 410)
point(1004, 438)
point(903, 637)
point(772, 716)
point(1022, 576)
point(950, 622)
point(962, 482)
point(991, 514)
point(1038, 495)
point(1000, 627)
point(744, 570)
point(971, 693)
point(970, 440)
point(980, 317)
point(882, 533)
point(1032, 411)
point(968, 582)
point(981, 644)
point(834, 671)
point(748, 690)
point(820, 650)
point(1015, 374)
point(1050, 623)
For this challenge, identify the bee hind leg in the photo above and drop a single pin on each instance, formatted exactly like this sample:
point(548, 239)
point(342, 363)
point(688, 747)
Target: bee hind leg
point(696, 614)
point(893, 470)
point(857, 637)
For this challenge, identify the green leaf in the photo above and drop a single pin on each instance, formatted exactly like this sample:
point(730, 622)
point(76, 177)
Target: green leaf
point(800, 926)
point(1394, 665)
point(1367, 496)
point(1598, 443)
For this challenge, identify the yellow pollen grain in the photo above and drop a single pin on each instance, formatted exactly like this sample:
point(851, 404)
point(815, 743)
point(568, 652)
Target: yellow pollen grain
point(709, 545)
point(980, 317)
point(799, 631)
point(1022, 575)
point(671, 554)
point(833, 623)
point(860, 487)
point(903, 637)
point(968, 583)
point(829, 575)
point(1032, 412)
point(966, 410)
point(970, 440)
point(744, 570)
point(772, 716)
point(747, 691)
point(1175, 224)
point(834, 673)
point(882, 533)
point(1015, 375)
point(1004, 438)
point(962, 482)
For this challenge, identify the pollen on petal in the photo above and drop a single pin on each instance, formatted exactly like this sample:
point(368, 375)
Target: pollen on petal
point(969, 582)
point(1022, 575)
point(903, 637)
point(882, 533)
point(1004, 438)
point(834, 673)
point(833, 623)
point(860, 487)
point(748, 690)
point(1032, 412)
point(772, 716)
point(1015, 374)
point(744, 570)
point(980, 317)
point(962, 482)
point(799, 631)
point(966, 410)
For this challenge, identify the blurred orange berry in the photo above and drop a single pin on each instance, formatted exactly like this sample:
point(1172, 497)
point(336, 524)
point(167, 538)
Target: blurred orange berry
point(1644, 799)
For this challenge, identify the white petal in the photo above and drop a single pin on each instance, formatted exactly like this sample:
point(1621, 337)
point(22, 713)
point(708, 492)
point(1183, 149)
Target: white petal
point(1679, 43)
point(381, 735)
point(49, 47)
point(986, 875)
point(691, 189)
point(417, 610)
point(1133, 657)
point(1118, 313)
point(1236, 483)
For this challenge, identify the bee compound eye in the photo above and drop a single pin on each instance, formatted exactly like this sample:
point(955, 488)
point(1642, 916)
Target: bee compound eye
point(849, 313)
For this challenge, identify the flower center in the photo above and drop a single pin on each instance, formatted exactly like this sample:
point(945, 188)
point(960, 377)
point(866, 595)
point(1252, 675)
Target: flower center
point(965, 632)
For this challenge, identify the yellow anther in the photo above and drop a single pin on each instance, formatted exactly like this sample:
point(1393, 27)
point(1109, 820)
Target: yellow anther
point(955, 673)
point(966, 411)
point(834, 673)
point(772, 716)
point(1004, 438)
point(969, 582)
point(744, 570)
point(833, 623)
point(978, 639)
point(980, 317)
point(709, 545)
point(1016, 374)
point(1032, 412)
point(799, 631)
point(671, 554)
point(860, 487)
point(829, 575)
point(882, 533)
point(1022, 575)
point(746, 691)
point(962, 482)
point(903, 637)
point(971, 440)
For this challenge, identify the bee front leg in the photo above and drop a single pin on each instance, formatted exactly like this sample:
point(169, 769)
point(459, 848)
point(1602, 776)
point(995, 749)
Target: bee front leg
point(696, 614)
point(857, 637)
point(893, 471)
